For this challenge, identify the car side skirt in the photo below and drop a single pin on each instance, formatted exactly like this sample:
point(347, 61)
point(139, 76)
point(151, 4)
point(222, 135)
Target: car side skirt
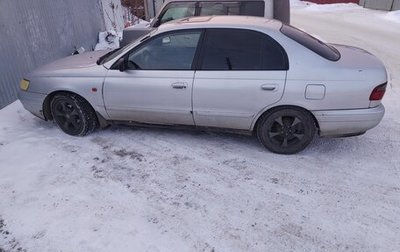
point(181, 127)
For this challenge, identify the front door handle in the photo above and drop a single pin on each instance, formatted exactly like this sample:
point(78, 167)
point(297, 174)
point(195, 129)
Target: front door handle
point(269, 87)
point(179, 85)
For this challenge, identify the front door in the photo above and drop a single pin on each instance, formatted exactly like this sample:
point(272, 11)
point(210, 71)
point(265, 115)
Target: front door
point(157, 86)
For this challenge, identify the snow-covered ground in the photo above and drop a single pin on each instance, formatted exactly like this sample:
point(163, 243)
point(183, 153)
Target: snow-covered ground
point(133, 189)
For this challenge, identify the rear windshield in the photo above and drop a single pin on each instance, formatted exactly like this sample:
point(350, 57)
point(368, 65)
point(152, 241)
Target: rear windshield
point(324, 50)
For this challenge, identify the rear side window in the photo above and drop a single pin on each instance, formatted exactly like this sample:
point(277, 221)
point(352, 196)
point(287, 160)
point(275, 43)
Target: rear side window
point(239, 49)
point(250, 8)
point(324, 50)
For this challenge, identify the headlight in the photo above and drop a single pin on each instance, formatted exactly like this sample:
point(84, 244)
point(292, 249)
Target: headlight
point(24, 84)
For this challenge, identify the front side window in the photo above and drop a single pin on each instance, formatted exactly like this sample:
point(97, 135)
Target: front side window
point(248, 8)
point(176, 11)
point(239, 49)
point(171, 51)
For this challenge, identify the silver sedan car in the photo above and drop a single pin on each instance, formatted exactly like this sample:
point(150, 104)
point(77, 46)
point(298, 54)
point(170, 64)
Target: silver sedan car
point(244, 74)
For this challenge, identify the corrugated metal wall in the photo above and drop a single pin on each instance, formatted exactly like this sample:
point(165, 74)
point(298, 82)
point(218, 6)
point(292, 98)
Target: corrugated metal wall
point(396, 5)
point(35, 32)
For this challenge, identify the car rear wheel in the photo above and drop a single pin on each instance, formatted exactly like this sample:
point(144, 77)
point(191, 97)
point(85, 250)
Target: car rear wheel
point(286, 130)
point(73, 114)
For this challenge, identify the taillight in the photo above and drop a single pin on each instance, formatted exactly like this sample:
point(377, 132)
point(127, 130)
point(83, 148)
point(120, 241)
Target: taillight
point(378, 93)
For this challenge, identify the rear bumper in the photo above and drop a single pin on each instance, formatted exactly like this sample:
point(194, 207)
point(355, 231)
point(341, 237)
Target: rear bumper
point(348, 122)
point(33, 102)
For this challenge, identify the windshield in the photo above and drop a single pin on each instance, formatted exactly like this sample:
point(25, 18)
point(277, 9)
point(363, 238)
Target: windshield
point(324, 50)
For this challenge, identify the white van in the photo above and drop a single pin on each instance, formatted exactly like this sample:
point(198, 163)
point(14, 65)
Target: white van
point(176, 9)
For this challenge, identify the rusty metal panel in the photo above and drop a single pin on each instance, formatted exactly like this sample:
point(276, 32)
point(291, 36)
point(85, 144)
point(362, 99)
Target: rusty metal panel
point(35, 32)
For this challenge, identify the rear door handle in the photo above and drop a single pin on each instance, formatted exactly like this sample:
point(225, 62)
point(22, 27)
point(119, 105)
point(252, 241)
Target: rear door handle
point(179, 85)
point(269, 87)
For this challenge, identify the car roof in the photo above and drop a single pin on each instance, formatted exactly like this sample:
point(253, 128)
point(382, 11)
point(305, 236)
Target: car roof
point(239, 22)
point(248, 22)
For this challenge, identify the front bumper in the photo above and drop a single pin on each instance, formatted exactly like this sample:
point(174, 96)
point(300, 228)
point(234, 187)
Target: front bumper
point(348, 122)
point(33, 102)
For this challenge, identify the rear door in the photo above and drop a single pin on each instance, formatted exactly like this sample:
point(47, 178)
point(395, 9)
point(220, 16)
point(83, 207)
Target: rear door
point(239, 73)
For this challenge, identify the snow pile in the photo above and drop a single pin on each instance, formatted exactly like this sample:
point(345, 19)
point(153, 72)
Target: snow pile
point(111, 39)
point(298, 3)
point(333, 7)
point(108, 40)
point(323, 7)
point(141, 23)
point(137, 22)
point(393, 16)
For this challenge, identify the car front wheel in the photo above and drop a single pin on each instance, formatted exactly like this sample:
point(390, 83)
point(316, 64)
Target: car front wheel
point(286, 130)
point(73, 114)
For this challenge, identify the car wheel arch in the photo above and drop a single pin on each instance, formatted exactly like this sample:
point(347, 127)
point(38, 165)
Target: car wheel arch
point(47, 103)
point(272, 109)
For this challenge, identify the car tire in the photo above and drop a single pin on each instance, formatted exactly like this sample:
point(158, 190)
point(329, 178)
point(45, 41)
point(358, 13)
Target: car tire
point(73, 114)
point(286, 130)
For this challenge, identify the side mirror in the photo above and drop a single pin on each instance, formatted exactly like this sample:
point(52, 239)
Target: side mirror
point(121, 65)
point(156, 23)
